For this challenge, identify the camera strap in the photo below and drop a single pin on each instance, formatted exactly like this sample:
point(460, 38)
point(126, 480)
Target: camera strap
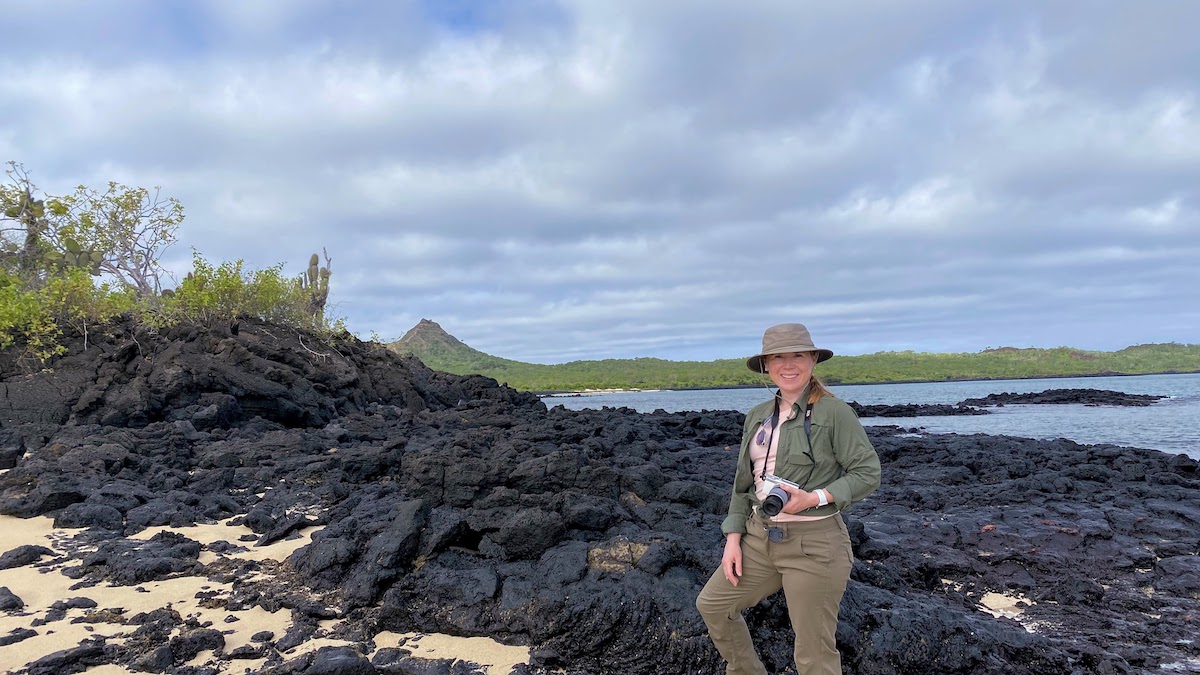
point(773, 420)
point(808, 429)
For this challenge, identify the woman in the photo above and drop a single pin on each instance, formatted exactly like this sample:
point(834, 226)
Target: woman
point(814, 440)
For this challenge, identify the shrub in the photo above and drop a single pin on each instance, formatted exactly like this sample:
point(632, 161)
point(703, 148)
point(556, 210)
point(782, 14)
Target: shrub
point(76, 261)
point(212, 295)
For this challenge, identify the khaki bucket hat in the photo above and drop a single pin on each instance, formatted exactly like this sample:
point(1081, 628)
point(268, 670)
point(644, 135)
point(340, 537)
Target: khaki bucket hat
point(785, 339)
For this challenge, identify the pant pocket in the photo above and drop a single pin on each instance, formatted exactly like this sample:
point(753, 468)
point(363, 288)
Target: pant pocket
point(822, 547)
point(846, 540)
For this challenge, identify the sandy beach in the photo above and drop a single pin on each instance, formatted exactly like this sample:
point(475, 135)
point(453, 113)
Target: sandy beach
point(42, 584)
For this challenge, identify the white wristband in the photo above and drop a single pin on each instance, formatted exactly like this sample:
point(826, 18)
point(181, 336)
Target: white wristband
point(821, 499)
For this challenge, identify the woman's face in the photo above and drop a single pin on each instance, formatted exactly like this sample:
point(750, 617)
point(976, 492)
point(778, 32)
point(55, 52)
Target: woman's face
point(791, 372)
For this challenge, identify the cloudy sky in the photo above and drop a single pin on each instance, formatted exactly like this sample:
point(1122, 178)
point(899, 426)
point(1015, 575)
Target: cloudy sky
point(575, 179)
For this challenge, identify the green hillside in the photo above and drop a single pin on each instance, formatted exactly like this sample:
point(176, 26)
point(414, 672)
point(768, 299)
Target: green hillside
point(442, 351)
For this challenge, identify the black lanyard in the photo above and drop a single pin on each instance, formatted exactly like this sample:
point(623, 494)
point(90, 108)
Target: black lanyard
point(774, 420)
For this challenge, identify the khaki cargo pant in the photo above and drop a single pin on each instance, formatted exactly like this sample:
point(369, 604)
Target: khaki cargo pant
point(811, 564)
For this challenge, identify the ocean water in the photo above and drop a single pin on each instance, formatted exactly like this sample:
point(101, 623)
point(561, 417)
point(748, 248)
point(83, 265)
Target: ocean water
point(1171, 425)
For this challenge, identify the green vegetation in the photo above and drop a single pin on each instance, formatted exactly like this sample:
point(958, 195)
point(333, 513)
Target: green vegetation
point(443, 352)
point(213, 295)
point(74, 262)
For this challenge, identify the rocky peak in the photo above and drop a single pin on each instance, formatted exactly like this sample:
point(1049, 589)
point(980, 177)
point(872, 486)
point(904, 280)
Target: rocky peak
point(428, 333)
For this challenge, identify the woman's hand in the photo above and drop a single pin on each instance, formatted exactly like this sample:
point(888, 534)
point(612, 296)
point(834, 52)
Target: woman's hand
point(798, 499)
point(731, 559)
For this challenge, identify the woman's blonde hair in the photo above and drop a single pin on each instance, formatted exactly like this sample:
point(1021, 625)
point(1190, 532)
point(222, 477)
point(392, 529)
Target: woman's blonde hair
point(816, 389)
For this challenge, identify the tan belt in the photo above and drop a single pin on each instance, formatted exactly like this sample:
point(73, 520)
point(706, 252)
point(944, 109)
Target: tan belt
point(763, 520)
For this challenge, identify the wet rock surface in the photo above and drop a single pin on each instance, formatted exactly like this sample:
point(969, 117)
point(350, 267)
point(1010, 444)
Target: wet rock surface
point(1067, 396)
point(977, 406)
point(451, 504)
point(914, 410)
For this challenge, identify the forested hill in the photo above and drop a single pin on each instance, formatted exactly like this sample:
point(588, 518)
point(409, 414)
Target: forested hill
point(442, 351)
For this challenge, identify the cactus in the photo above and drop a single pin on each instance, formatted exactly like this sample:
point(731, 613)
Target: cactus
point(31, 214)
point(77, 256)
point(315, 282)
point(74, 255)
point(192, 278)
point(313, 264)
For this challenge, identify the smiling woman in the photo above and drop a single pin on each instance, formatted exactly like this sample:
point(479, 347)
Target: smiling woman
point(791, 373)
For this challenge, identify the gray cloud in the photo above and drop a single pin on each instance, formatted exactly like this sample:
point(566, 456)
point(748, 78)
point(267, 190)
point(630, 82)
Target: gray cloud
point(591, 179)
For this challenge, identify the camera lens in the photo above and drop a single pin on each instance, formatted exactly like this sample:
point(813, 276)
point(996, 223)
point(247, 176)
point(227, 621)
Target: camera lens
point(774, 501)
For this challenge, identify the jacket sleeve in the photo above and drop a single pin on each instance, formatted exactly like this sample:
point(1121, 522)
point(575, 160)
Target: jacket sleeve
point(857, 457)
point(739, 501)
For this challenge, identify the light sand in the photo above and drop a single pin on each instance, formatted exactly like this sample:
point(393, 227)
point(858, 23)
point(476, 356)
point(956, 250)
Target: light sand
point(999, 605)
point(497, 658)
point(40, 588)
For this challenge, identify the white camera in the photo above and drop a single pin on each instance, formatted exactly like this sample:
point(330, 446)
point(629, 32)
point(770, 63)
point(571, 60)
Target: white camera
point(777, 497)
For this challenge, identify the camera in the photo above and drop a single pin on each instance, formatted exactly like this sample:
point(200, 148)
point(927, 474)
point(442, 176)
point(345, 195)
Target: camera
point(777, 497)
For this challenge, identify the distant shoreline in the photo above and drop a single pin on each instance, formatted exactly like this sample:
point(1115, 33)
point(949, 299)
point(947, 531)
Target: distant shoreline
point(439, 350)
point(579, 393)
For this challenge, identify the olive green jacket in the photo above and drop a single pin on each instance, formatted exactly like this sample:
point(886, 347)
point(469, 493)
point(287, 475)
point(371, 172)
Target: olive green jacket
point(846, 463)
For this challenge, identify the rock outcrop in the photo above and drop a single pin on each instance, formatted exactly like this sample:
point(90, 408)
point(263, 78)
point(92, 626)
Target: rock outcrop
point(971, 406)
point(914, 410)
point(1066, 396)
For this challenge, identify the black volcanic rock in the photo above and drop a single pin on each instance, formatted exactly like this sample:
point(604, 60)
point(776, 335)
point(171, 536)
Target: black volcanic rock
point(23, 555)
point(9, 602)
point(456, 505)
point(12, 448)
point(329, 661)
point(914, 410)
point(73, 660)
point(90, 515)
point(1064, 396)
point(17, 635)
point(127, 562)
